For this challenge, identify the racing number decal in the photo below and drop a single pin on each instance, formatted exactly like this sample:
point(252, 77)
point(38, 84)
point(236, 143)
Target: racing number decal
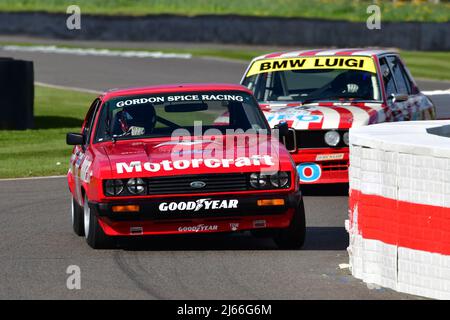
point(309, 172)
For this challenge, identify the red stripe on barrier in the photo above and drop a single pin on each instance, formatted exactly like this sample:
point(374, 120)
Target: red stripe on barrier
point(410, 225)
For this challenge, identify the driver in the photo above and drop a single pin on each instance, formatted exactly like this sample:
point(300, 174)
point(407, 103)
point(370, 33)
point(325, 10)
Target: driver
point(353, 82)
point(135, 120)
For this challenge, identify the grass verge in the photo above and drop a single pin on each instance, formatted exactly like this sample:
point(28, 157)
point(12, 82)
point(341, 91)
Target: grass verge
point(351, 10)
point(43, 151)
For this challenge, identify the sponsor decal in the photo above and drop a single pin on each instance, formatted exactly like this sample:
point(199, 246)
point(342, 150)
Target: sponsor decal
point(198, 228)
point(200, 204)
point(334, 156)
point(322, 62)
point(309, 172)
point(303, 117)
point(168, 165)
point(234, 226)
point(178, 98)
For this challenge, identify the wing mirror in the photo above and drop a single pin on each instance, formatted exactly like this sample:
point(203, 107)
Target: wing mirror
point(283, 130)
point(74, 139)
point(398, 97)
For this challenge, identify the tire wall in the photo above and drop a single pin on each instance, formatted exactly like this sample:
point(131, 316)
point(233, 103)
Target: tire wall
point(16, 94)
point(399, 206)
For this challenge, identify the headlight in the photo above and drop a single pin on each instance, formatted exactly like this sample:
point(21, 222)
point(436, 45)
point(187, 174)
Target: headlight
point(346, 138)
point(136, 186)
point(265, 181)
point(279, 179)
point(258, 181)
point(113, 187)
point(332, 138)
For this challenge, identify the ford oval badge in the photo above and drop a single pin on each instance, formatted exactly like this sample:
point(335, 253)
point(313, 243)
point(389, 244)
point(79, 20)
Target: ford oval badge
point(197, 184)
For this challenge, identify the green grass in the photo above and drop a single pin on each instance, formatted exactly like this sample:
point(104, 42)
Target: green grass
point(351, 10)
point(36, 152)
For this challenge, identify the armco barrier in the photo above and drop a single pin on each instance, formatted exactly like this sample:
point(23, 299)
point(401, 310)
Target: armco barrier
point(399, 207)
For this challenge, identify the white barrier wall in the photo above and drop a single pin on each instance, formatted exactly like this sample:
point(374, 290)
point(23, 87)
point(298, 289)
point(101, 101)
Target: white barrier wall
point(399, 206)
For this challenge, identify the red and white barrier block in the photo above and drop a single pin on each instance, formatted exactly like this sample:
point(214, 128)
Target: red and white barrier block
point(399, 207)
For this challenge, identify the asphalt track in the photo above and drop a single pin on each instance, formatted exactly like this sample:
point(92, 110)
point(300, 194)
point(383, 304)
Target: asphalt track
point(37, 243)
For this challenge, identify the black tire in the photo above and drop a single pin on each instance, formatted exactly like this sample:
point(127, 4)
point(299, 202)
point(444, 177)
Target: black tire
point(77, 218)
point(95, 237)
point(293, 237)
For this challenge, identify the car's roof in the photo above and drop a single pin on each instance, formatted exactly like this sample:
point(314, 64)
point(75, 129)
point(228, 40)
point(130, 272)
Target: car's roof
point(175, 88)
point(327, 52)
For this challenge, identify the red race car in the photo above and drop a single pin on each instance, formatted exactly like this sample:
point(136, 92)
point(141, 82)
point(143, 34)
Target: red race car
point(182, 159)
point(323, 93)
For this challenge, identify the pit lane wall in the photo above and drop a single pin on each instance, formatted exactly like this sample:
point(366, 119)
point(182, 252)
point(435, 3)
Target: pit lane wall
point(399, 206)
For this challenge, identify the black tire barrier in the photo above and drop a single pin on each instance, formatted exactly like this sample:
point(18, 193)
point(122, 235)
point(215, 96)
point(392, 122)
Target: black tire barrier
point(16, 94)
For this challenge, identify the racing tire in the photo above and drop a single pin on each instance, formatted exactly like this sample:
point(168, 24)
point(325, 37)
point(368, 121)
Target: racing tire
point(93, 232)
point(77, 218)
point(293, 237)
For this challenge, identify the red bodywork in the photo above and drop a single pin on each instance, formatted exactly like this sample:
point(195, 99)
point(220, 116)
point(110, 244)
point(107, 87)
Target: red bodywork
point(96, 162)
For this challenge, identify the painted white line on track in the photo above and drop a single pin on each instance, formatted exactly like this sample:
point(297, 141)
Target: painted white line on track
point(436, 92)
point(99, 52)
point(48, 85)
point(32, 178)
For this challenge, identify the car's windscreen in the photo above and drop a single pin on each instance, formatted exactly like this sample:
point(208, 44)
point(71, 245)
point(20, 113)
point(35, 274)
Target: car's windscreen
point(312, 79)
point(159, 115)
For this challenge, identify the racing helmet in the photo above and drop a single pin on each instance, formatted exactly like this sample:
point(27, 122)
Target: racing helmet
point(140, 115)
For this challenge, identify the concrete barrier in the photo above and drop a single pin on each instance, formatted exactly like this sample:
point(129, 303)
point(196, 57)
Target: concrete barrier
point(231, 29)
point(399, 206)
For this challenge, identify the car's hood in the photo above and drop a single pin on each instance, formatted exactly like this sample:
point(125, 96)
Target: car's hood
point(323, 115)
point(160, 157)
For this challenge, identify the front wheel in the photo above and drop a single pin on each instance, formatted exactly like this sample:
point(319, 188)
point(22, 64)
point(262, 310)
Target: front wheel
point(93, 232)
point(77, 218)
point(293, 237)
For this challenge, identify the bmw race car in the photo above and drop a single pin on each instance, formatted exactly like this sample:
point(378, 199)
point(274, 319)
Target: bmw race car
point(155, 161)
point(321, 94)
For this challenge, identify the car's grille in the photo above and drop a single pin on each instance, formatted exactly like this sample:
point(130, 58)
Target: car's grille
point(307, 139)
point(334, 166)
point(182, 184)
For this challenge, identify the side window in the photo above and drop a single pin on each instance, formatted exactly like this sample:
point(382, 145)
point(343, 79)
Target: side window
point(388, 78)
point(89, 121)
point(399, 75)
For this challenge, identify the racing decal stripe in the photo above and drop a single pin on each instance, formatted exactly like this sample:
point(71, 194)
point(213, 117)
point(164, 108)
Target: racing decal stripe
point(273, 55)
point(378, 109)
point(348, 52)
point(293, 54)
point(328, 52)
point(316, 125)
point(346, 117)
point(330, 117)
point(360, 116)
point(309, 53)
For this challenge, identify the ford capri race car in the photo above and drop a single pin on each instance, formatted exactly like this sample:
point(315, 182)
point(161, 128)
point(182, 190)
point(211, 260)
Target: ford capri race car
point(182, 159)
point(321, 94)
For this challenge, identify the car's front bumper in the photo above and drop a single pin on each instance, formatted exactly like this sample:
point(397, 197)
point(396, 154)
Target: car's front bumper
point(150, 220)
point(322, 165)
